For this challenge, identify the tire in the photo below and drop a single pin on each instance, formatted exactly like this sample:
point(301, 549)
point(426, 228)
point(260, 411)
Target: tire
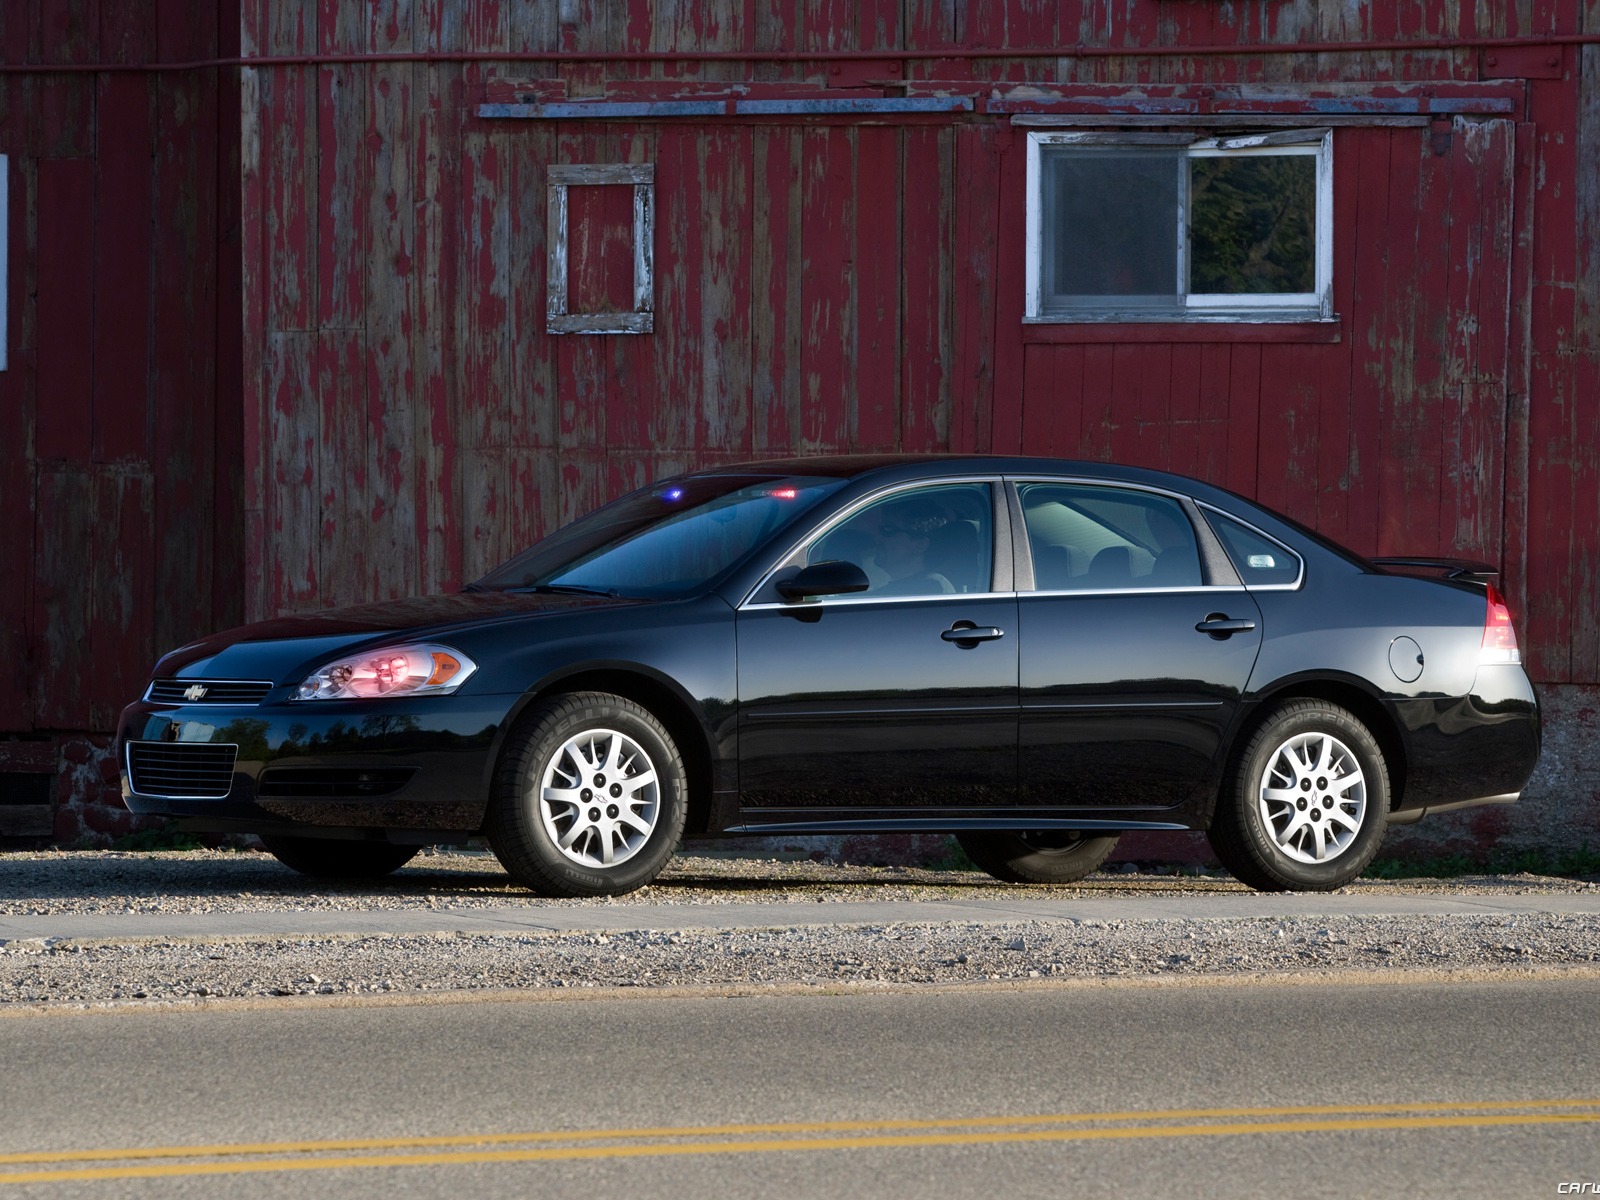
point(1307, 802)
point(338, 858)
point(590, 798)
point(1056, 856)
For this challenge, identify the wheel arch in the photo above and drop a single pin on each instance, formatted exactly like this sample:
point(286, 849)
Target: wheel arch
point(1349, 693)
point(660, 697)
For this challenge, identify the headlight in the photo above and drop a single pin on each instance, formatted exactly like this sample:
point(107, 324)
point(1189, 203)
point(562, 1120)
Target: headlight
point(421, 670)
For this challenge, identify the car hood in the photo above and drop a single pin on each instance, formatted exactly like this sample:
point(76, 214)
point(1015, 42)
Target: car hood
point(247, 649)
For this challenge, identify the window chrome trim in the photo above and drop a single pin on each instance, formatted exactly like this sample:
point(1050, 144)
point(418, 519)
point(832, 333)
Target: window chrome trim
point(844, 515)
point(1265, 587)
point(1206, 589)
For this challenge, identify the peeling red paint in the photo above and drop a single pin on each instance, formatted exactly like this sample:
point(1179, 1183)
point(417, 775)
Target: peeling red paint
point(385, 412)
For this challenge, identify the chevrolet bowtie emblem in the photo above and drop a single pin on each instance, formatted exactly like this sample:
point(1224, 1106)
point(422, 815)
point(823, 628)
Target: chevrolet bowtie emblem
point(195, 692)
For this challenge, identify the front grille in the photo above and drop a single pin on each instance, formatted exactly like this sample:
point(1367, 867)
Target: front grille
point(341, 783)
point(212, 691)
point(181, 770)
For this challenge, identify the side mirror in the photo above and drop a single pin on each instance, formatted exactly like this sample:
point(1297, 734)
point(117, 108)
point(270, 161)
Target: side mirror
point(824, 579)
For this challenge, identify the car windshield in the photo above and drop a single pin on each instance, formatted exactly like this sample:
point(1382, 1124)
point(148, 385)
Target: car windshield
point(664, 541)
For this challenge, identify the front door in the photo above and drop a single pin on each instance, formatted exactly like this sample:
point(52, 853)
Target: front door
point(876, 700)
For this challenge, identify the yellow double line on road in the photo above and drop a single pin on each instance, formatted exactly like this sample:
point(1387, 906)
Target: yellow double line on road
point(556, 1145)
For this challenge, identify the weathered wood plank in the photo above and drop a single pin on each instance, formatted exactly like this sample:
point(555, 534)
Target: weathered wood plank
point(18, 545)
point(63, 601)
point(1401, 344)
point(343, 169)
point(390, 312)
point(1519, 338)
point(286, 127)
point(188, 279)
point(291, 514)
point(827, 285)
point(1097, 419)
point(976, 247)
point(1475, 441)
point(1009, 199)
point(874, 394)
point(723, 420)
point(435, 165)
point(1040, 413)
point(775, 292)
point(122, 272)
point(928, 303)
point(121, 592)
point(1585, 344)
point(1230, 433)
point(64, 430)
point(348, 535)
point(485, 423)
point(1244, 418)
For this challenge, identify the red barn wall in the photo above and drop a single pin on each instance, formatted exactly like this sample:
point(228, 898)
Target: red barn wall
point(324, 376)
point(119, 404)
point(833, 283)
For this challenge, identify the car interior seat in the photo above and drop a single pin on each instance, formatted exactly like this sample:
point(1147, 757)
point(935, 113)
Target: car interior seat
point(1110, 568)
point(954, 552)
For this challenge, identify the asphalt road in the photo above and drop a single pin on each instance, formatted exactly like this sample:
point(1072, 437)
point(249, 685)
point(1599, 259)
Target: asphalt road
point(1388, 1088)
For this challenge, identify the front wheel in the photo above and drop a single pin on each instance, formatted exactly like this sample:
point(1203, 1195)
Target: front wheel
point(1307, 804)
point(1059, 856)
point(338, 858)
point(591, 798)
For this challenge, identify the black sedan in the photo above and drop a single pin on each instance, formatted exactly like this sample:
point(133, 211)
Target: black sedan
point(1031, 655)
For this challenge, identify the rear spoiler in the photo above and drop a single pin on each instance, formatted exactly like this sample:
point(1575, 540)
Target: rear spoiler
point(1452, 568)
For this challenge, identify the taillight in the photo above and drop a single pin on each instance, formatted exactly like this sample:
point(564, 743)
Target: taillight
point(1499, 638)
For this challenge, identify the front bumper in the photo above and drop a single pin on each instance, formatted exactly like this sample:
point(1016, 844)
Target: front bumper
point(419, 764)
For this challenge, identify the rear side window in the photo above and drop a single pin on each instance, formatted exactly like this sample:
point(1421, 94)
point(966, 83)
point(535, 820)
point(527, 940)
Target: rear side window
point(1260, 561)
point(1086, 538)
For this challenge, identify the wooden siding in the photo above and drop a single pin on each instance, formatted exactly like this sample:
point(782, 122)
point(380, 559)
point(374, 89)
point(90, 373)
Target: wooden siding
point(277, 332)
point(831, 283)
point(117, 535)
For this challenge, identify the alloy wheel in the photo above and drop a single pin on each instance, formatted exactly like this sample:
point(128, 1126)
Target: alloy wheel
point(1313, 797)
point(599, 798)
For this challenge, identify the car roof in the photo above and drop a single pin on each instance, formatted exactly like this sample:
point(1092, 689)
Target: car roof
point(896, 466)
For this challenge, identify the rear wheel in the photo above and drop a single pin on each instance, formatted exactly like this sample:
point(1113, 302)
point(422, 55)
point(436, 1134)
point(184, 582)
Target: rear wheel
point(1050, 856)
point(338, 858)
point(591, 798)
point(1307, 803)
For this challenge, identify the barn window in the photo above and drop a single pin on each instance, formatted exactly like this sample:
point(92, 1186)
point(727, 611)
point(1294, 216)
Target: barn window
point(562, 240)
point(1164, 227)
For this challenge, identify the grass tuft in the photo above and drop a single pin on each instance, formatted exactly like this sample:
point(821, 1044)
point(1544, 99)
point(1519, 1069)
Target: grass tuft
point(163, 837)
point(1583, 863)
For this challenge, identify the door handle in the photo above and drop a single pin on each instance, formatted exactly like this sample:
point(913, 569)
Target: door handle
point(967, 635)
point(1220, 625)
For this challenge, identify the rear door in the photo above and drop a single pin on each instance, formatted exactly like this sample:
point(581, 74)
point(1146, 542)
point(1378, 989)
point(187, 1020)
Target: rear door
point(1136, 651)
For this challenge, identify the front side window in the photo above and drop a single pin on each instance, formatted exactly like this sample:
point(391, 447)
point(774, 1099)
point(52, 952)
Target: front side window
point(1158, 227)
point(927, 541)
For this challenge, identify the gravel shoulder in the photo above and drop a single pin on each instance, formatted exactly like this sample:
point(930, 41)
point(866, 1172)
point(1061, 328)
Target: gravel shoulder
point(800, 952)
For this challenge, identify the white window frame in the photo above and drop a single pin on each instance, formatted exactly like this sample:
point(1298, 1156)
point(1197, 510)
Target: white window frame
point(1315, 305)
point(642, 177)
